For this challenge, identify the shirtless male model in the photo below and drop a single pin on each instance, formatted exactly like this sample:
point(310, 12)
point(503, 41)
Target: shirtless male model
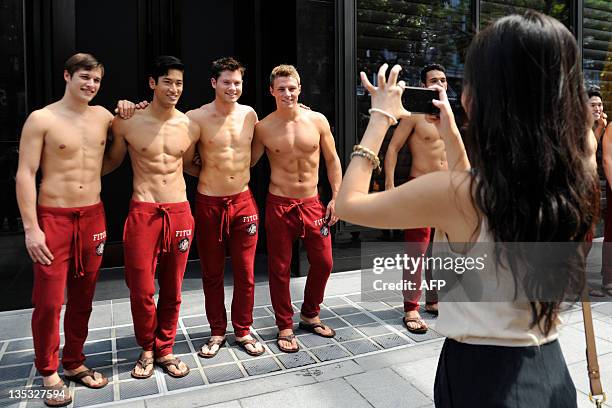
point(428, 155)
point(159, 227)
point(65, 229)
point(294, 138)
point(226, 213)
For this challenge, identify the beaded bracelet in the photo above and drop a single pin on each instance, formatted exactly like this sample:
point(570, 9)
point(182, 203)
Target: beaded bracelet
point(362, 151)
point(382, 112)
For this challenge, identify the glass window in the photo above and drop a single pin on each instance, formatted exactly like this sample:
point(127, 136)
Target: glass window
point(597, 47)
point(492, 10)
point(412, 34)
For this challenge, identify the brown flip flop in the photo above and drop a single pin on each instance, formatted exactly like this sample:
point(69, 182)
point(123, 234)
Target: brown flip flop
point(310, 327)
point(422, 329)
point(78, 378)
point(143, 363)
point(210, 344)
point(243, 343)
point(172, 362)
point(288, 338)
point(58, 395)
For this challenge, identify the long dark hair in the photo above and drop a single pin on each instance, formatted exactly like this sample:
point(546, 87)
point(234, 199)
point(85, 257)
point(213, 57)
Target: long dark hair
point(527, 139)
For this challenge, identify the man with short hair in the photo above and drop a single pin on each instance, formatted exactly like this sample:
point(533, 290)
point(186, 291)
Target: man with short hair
point(599, 116)
point(159, 227)
point(428, 155)
point(294, 139)
point(64, 226)
point(226, 214)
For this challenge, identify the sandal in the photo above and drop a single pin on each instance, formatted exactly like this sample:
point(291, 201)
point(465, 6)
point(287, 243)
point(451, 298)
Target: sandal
point(244, 343)
point(59, 393)
point(78, 378)
point(311, 328)
point(144, 363)
point(211, 342)
point(432, 311)
point(422, 329)
point(165, 364)
point(288, 338)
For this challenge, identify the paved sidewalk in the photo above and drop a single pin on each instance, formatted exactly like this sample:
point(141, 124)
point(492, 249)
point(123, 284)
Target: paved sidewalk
point(373, 362)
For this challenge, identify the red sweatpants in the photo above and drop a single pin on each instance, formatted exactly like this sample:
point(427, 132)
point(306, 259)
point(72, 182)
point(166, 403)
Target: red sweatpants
point(231, 220)
point(76, 238)
point(286, 220)
point(606, 252)
point(156, 232)
point(418, 239)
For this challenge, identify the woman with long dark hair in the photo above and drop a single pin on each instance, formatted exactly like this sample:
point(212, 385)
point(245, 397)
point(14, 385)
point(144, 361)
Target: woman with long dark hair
point(529, 178)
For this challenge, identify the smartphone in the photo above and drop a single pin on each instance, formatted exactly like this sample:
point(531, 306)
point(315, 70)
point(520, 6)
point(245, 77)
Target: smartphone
point(418, 100)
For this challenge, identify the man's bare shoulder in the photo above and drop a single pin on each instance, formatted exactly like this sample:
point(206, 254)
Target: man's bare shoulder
point(200, 113)
point(316, 117)
point(102, 112)
point(267, 121)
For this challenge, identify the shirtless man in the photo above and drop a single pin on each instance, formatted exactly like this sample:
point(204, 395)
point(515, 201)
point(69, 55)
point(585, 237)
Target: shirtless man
point(65, 233)
point(428, 155)
point(226, 213)
point(159, 226)
point(600, 122)
point(293, 139)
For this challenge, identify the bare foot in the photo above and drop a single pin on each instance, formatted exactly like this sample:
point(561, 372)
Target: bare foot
point(287, 345)
point(59, 393)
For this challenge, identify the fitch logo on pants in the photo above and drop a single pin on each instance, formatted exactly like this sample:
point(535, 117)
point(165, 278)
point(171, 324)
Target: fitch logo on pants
point(252, 223)
point(100, 246)
point(183, 244)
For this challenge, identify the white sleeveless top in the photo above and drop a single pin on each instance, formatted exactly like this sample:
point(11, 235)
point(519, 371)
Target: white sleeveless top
point(503, 323)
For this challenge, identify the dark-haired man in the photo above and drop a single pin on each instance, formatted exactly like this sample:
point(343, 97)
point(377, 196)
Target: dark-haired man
point(64, 228)
point(294, 139)
point(159, 227)
point(600, 121)
point(226, 213)
point(428, 155)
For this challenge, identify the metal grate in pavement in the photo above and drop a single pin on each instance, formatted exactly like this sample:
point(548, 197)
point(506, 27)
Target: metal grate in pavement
point(363, 325)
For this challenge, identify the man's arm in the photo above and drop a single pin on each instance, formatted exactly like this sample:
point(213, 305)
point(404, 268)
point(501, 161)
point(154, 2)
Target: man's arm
point(114, 155)
point(189, 166)
point(30, 152)
point(257, 147)
point(602, 124)
point(400, 136)
point(606, 147)
point(332, 163)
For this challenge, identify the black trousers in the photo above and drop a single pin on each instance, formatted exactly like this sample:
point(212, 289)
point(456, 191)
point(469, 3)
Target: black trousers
point(474, 376)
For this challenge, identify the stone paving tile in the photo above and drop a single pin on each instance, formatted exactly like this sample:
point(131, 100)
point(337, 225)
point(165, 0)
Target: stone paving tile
point(327, 353)
point(334, 393)
point(261, 366)
point(223, 356)
point(193, 379)
point(335, 370)
point(299, 359)
point(19, 345)
point(138, 388)
point(384, 388)
point(346, 334)
point(195, 321)
point(222, 373)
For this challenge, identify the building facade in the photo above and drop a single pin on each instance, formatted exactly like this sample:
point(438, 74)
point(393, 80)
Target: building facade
point(329, 41)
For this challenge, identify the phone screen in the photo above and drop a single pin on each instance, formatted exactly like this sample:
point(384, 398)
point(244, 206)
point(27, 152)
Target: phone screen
point(418, 100)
